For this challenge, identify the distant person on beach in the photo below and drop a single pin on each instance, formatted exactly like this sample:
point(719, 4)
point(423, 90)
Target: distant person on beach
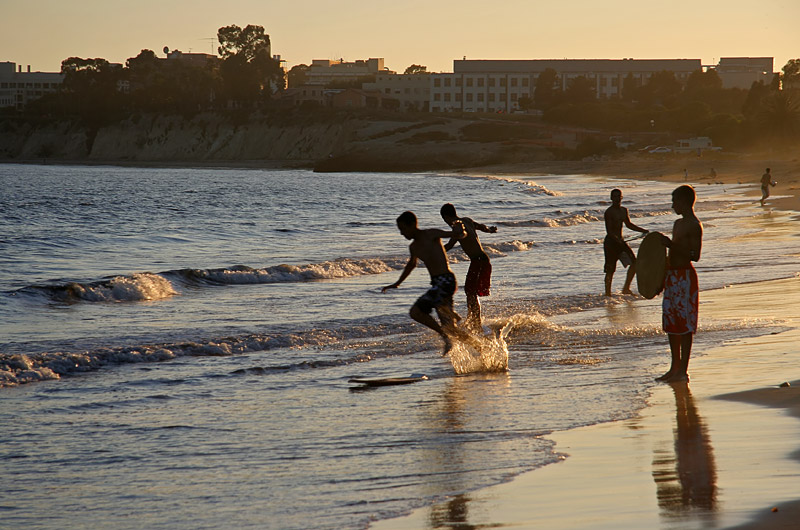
point(479, 275)
point(681, 291)
point(766, 182)
point(614, 246)
point(426, 245)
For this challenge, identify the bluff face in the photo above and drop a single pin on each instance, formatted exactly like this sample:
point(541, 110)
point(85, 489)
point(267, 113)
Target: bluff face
point(328, 143)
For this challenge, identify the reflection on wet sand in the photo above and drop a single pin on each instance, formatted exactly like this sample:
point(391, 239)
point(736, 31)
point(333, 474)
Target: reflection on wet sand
point(474, 396)
point(686, 479)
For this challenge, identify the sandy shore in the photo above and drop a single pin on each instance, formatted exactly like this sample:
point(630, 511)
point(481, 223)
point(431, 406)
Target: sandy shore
point(720, 452)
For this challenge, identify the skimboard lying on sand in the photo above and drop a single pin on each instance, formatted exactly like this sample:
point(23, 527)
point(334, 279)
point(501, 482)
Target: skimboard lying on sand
point(651, 265)
point(389, 381)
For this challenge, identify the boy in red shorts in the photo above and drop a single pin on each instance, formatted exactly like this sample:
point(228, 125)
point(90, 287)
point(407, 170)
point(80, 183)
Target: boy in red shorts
point(681, 300)
point(479, 275)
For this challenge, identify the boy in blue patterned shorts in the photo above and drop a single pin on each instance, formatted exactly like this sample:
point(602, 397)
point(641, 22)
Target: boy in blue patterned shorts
point(426, 245)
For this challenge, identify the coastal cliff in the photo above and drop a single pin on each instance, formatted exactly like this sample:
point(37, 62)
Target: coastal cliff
point(327, 142)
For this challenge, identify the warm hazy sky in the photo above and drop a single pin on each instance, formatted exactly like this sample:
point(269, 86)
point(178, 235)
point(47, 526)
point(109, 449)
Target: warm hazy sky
point(431, 32)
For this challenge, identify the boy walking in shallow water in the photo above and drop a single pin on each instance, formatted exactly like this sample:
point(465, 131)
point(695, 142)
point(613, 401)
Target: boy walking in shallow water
point(614, 246)
point(479, 275)
point(426, 245)
point(681, 292)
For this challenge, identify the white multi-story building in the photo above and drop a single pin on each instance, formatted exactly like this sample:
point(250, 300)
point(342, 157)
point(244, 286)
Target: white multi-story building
point(498, 85)
point(17, 88)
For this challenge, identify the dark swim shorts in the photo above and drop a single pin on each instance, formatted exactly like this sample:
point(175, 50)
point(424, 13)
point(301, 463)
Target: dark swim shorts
point(441, 293)
point(614, 250)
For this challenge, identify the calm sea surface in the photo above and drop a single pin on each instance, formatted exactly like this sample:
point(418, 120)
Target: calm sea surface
point(176, 344)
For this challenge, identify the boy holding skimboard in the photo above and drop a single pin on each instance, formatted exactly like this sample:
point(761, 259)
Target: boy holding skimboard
point(479, 275)
point(614, 246)
point(681, 292)
point(426, 245)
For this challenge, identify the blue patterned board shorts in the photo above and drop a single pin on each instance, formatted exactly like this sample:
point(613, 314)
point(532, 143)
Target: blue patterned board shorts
point(443, 287)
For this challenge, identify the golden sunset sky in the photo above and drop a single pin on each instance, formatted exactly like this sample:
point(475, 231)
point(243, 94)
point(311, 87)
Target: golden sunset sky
point(42, 33)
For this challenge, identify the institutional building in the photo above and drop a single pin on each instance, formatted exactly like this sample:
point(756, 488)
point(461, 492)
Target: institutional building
point(411, 91)
point(742, 72)
point(498, 85)
point(17, 88)
point(326, 72)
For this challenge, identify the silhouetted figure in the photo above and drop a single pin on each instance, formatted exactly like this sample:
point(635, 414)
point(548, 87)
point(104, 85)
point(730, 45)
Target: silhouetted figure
point(426, 245)
point(681, 292)
point(766, 182)
point(479, 275)
point(614, 246)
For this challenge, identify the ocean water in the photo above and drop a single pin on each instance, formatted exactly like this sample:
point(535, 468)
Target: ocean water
point(176, 344)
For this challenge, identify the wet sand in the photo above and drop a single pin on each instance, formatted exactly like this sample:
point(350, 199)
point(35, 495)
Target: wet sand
point(719, 452)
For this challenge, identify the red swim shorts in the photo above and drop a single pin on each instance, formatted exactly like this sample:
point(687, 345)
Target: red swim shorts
point(681, 301)
point(479, 277)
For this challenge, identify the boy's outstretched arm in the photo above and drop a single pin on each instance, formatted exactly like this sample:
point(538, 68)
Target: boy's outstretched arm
point(412, 263)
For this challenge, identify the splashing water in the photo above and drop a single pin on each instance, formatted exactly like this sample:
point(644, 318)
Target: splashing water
point(488, 353)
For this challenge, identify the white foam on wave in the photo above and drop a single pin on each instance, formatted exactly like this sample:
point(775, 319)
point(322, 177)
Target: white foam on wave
point(548, 222)
point(529, 186)
point(327, 270)
point(137, 287)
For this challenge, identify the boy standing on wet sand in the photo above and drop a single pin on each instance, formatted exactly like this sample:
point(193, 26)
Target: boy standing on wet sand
point(681, 300)
point(426, 245)
point(479, 275)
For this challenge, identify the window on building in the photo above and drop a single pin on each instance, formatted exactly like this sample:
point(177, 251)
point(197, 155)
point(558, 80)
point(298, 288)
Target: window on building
point(480, 81)
point(525, 81)
point(447, 81)
point(513, 81)
point(492, 81)
point(503, 81)
point(469, 96)
point(437, 97)
point(458, 81)
point(437, 82)
point(491, 96)
point(469, 81)
point(387, 91)
point(480, 96)
point(447, 96)
point(513, 97)
point(458, 96)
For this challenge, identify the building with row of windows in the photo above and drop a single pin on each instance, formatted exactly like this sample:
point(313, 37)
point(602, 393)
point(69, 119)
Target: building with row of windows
point(498, 85)
point(17, 88)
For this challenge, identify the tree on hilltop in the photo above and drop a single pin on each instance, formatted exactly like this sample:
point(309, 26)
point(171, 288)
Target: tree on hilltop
point(248, 69)
point(297, 75)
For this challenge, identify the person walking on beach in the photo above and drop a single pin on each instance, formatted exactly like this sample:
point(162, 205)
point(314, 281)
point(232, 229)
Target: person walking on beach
point(766, 182)
point(614, 246)
point(426, 245)
point(479, 275)
point(681, 291)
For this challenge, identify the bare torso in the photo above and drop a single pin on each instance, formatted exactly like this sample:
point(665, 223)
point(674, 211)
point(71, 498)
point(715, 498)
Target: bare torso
point(687, 237)
point(427, 246)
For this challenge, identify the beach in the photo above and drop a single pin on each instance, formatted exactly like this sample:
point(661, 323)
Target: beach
point(722, 451)
point(178, 345)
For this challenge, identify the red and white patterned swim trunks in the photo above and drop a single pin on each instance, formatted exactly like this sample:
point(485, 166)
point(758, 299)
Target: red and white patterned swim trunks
point(681, 301)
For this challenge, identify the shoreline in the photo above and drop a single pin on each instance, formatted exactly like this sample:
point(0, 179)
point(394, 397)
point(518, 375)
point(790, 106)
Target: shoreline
point(684, 461)
point(729, 169)
point(575, 492)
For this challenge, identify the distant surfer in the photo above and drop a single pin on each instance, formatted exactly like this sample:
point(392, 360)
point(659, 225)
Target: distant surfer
point(426, 245)
point(479, 275)
point(681, 292)
point(766, 182)
point(614, 246)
